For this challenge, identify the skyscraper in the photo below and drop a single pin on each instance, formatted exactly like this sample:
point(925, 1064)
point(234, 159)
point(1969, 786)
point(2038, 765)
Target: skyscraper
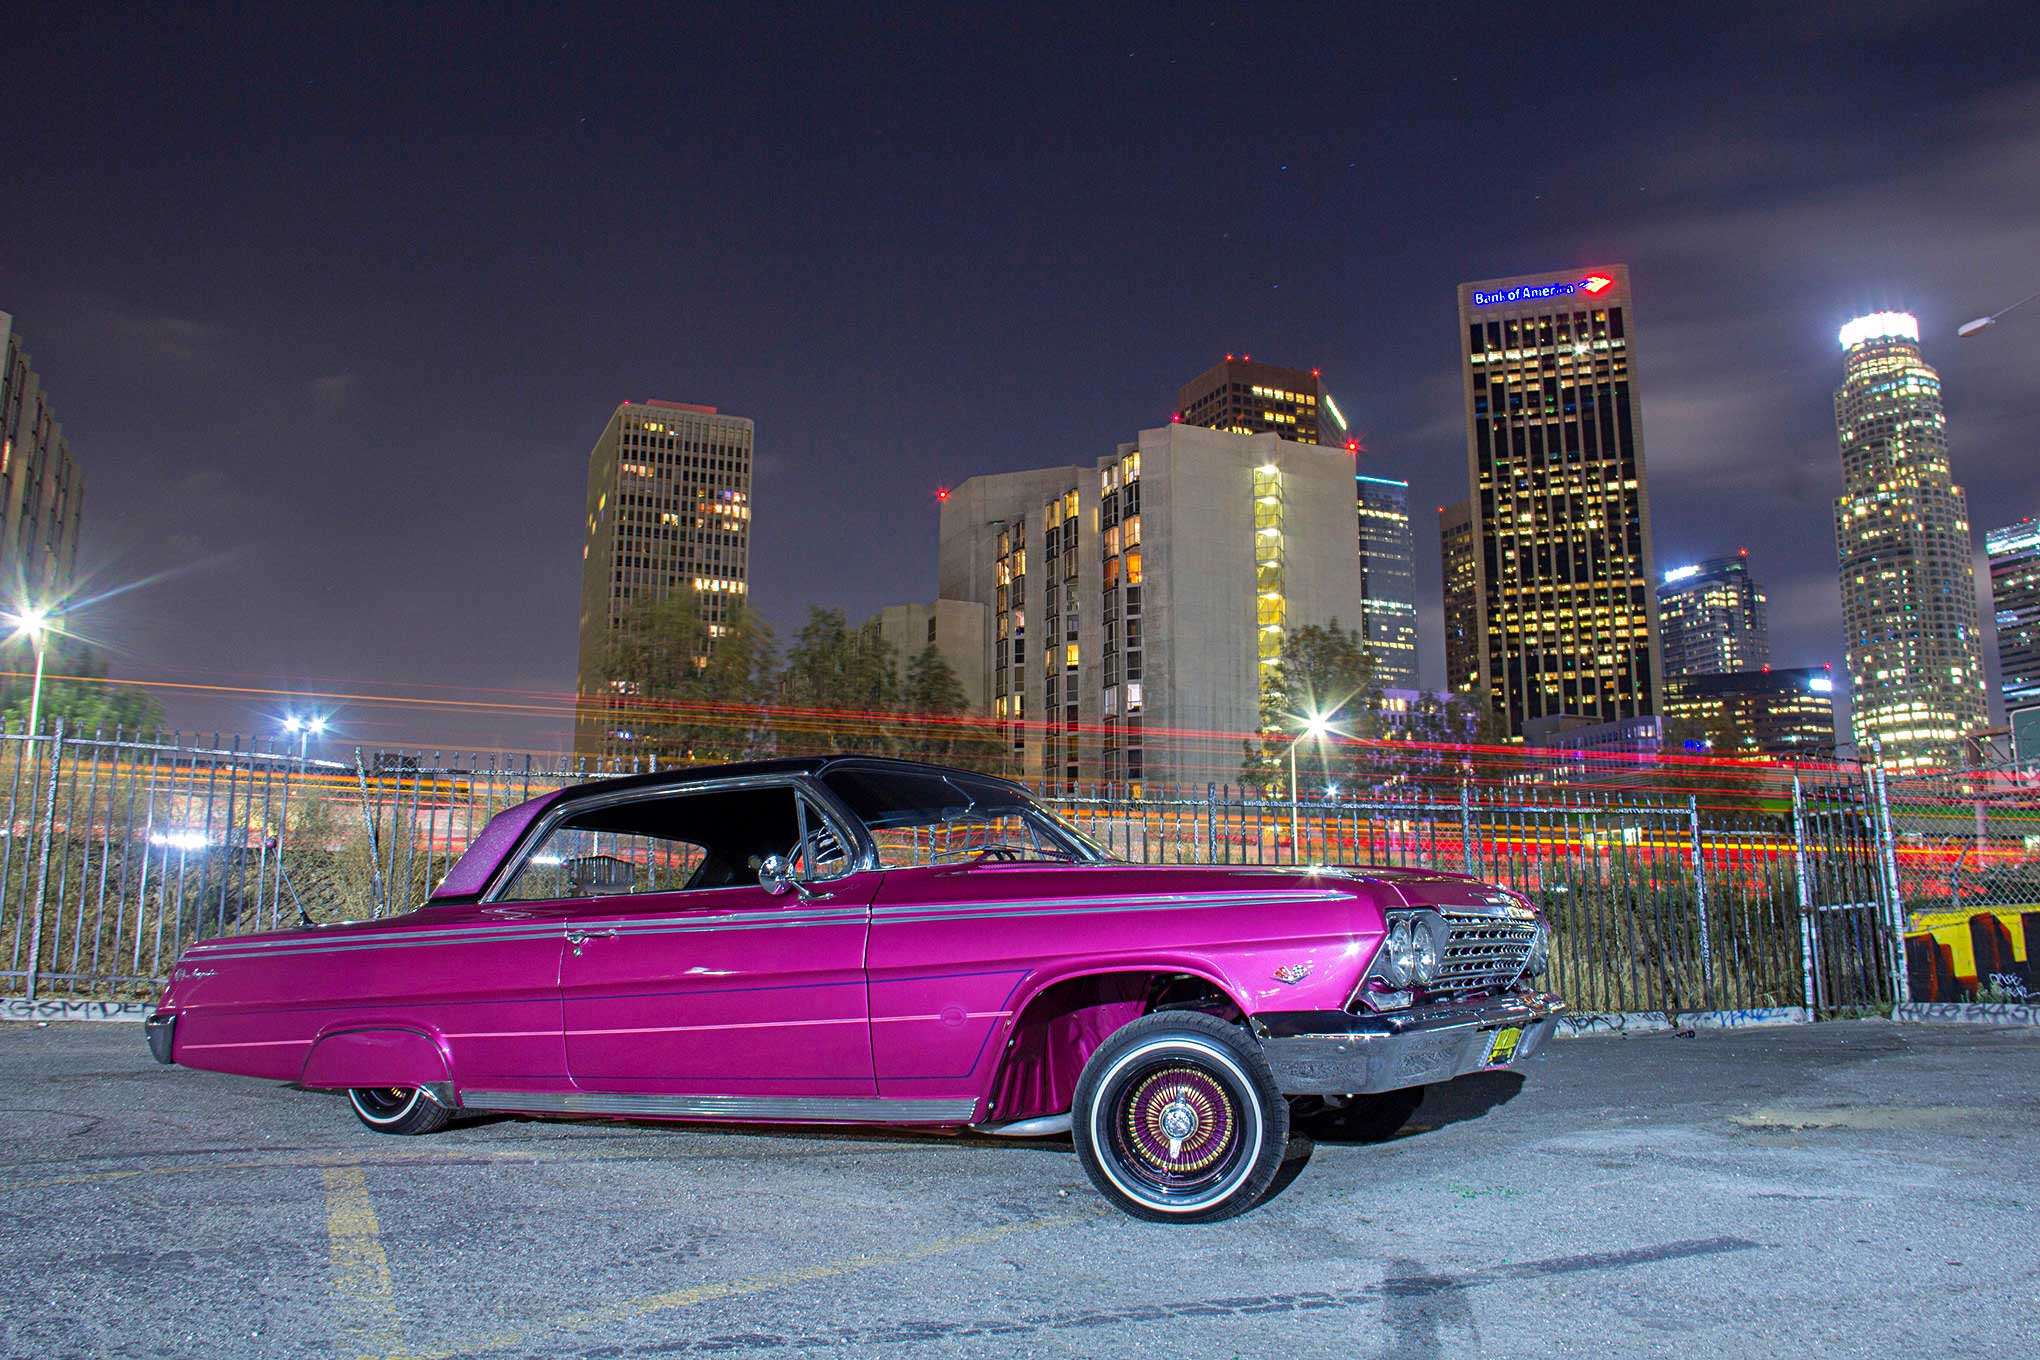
point(1458, 549)
point(1712, 618)
point(1566, 617)
point(2015, 597)
point(1787, 713)
point(42, 492)
point(668, 509)
point(1243, 397)
point(1388, 579)
point(1138, 604)
point(1902, 540)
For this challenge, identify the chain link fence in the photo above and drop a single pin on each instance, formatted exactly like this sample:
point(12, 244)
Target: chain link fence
point(117, 853)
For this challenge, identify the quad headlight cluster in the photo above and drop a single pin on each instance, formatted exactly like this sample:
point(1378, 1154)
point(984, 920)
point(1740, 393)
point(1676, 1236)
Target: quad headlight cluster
point(1540, 952)
point(1408, 958)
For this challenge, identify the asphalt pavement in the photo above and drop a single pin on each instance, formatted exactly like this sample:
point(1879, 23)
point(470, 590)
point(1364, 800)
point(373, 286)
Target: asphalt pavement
point(1849, 1189)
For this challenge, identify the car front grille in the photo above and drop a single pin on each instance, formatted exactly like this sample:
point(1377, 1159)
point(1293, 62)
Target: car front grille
point(1483, 953)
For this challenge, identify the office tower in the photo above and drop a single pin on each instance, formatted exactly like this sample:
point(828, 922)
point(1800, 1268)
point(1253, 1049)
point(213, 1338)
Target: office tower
point(2015, 597)
point(1458, 550)
point(42, 492)
point(1712, 618)
point(1241, 396)
point(1567, 619)
point(1902, 541)
point(1137, 604)
point(1388, 579)
point(668, 509)
point(1787, 712)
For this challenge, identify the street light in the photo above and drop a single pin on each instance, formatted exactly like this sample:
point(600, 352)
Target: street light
point(1972, 327)
point(306, 729)
point(1317, 725)
point(35, 623)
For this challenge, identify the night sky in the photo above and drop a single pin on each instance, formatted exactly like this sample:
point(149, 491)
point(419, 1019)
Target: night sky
point(333, 310)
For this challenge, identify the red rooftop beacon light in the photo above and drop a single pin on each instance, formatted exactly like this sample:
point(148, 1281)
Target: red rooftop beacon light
point(941, 493)
point(1176, 419)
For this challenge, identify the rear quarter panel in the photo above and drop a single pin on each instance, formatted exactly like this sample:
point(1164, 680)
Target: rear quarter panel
point(482, 988)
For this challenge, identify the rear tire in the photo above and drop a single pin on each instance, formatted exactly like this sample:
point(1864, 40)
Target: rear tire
point(398, 1109)
point(1178, 1119)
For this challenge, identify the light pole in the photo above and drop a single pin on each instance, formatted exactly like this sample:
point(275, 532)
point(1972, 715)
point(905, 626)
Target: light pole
point(1316, 726)
point(1982, 322)
point(306, 729)
point(34, 623)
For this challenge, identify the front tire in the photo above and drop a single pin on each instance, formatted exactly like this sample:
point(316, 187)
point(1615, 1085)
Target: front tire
point(398, 1109)
point(1177, 1119)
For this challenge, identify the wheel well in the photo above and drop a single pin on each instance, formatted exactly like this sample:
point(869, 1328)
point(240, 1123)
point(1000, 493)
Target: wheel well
point(1062, 1025)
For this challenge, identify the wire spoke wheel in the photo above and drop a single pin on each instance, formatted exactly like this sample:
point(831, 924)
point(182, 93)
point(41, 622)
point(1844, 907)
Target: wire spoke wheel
point(1178, 1119)
point(1176, 1125)
point(398, 1109)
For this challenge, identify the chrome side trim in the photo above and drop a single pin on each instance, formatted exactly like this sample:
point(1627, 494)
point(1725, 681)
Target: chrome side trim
point(737, 1109)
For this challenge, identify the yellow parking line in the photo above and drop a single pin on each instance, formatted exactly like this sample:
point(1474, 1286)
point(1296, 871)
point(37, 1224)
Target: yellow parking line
point(646, 1305)
point(361, 1270)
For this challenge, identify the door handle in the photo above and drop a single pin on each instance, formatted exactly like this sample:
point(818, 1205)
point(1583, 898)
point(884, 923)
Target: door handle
point(577, 938)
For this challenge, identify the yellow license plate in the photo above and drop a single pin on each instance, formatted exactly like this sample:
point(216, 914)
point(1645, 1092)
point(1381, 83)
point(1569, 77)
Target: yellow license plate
point(1503, 1046)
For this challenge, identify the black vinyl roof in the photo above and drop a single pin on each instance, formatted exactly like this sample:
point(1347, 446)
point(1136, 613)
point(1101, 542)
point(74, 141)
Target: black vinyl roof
point(682, 775)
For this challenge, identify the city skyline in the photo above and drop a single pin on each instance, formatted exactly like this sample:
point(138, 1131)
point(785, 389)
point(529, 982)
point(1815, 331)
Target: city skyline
point(250, 395)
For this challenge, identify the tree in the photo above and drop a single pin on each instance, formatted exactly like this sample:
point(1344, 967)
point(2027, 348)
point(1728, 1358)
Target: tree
point(931, 690)
point(74, 689)
point(849, 674)
point(683, 694)
point(1325, 673)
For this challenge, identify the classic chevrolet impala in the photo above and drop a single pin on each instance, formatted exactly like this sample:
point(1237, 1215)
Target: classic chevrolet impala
point(852, 940)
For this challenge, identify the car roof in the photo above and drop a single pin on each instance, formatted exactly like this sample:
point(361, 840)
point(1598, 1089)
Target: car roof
point(683, 775)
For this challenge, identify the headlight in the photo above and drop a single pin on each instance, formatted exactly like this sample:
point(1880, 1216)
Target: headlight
point(1427, 943)
point(1540, 952)
point(1397, 954)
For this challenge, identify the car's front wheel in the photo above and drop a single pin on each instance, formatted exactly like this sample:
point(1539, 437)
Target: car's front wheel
point(398, 1109)
point(1178, 1119)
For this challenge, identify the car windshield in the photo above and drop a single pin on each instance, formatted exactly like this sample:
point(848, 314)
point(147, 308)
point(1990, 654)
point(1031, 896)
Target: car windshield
point(949, 817)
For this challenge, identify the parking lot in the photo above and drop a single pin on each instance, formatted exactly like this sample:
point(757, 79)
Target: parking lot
point(1856, 1188)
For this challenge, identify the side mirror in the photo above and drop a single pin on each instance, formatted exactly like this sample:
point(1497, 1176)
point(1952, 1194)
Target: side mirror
point(775, 874)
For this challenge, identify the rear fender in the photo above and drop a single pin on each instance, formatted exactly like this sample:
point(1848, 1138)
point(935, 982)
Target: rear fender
point(385, 1055)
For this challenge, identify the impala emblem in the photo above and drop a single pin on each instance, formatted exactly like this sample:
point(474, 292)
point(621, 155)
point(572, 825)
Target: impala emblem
point(1292, 973)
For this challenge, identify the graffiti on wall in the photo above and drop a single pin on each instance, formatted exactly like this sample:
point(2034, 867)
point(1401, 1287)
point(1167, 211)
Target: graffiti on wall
point(1991, 955)
point(20, 1008)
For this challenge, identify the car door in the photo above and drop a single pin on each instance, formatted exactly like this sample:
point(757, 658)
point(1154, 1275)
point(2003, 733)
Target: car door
point(681, 975)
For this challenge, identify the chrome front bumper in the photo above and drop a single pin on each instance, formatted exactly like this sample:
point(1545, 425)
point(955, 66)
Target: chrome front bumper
point(1321, 1053)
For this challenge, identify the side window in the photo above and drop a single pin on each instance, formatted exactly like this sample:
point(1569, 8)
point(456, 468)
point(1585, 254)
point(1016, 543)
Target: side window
point(580, 861)
point(680, 841)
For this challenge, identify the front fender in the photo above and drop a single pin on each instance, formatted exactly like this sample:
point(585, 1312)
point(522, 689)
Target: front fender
point(382, 1055)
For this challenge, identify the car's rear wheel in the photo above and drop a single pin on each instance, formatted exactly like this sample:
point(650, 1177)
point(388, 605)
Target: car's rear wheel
point(1177, 1119)
point(398, 1109)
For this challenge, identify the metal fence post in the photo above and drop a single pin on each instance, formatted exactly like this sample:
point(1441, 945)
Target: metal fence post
point(1700, 899)
point(1901, 981)
point(42, 877)
point(1466, 828)
point(1211, 823)
point(375, 884)
point(1809, 936)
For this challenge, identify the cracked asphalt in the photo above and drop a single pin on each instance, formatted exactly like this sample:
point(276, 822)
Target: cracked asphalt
point(1856, 1188)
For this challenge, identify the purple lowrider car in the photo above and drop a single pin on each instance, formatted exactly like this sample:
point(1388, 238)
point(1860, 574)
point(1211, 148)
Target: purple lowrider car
point(850, 940)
